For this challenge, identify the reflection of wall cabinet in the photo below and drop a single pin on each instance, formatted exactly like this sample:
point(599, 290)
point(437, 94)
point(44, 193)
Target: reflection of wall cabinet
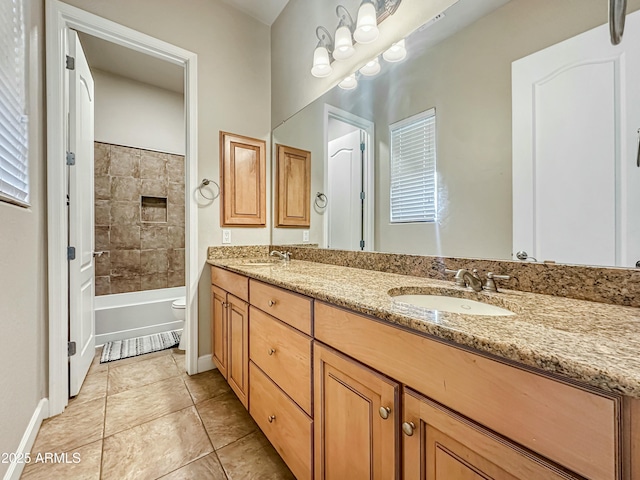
point(356, 411)
point(293, 187)
point(243, 181)
point(230, 329)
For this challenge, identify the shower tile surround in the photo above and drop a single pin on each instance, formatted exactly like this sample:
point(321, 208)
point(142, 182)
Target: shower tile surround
point(616, 286)
point(139, 219)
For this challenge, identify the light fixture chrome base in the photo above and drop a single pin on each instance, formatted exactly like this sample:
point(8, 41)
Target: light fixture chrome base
point(386, 8)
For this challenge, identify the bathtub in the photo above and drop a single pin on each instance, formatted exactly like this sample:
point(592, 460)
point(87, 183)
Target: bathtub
point(129, 315)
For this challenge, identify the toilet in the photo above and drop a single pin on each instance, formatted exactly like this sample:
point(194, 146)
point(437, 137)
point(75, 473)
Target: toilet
point(178, 309)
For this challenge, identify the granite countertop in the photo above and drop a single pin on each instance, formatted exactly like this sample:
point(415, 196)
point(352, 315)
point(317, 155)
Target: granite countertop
point(594, 343)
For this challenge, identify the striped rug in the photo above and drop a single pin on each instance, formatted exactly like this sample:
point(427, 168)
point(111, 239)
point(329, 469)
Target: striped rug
point(132, 347)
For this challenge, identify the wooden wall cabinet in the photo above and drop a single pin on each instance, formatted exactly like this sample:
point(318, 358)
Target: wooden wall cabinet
point(356, 419)
point(293, 187)
point(242, 181)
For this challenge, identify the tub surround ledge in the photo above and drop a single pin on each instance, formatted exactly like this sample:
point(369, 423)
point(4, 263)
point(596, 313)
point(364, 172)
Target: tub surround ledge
point(592, 343)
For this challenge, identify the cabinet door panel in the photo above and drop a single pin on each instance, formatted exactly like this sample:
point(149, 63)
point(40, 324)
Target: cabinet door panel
point(444, 446)
point(219, 329)
point(352, 439)
point(238, 346)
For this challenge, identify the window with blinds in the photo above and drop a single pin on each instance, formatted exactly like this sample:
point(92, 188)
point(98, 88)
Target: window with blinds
point(14, 180)
point(413, 169)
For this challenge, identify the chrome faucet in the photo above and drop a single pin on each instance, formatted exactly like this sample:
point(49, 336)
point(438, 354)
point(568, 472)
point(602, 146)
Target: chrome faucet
point(284, 256)
point(464, 278)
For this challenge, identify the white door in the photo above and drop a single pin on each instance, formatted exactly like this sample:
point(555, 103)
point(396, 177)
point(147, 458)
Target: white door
point(576, 186)
point(81, 221)
point(343, 192)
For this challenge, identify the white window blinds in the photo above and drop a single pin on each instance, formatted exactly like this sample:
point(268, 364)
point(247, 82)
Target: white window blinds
point(14, 181)
point(413, 169)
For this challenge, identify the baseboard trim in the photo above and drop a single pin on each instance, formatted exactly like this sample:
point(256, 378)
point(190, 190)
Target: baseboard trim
point(205, 363)
point(26, 444)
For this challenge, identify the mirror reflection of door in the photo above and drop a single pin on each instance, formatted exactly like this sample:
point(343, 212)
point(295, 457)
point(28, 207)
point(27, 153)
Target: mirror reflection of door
point(345, 207)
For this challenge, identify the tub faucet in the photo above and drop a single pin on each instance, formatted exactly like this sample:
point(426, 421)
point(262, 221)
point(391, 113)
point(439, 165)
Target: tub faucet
point(464, 278)
point(285, 256)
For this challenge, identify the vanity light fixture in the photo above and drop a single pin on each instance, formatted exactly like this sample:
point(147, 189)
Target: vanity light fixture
point(349, 83)
point(396, 53)
point(367, 26)
point(344, 44)
point(371, 68)
point(321, 55)
point(370, 14)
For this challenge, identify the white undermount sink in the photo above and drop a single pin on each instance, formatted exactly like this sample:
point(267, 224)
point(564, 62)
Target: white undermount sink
point(445, 303)
point(258, 264)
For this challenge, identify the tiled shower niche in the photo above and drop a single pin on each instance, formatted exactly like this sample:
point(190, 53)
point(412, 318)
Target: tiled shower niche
point(139, 219)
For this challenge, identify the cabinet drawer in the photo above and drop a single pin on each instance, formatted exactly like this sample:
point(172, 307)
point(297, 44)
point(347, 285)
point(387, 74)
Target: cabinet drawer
point(233, 283)
point(289, 307)
point(284, 354)
point(575, 427)
point(287, 427)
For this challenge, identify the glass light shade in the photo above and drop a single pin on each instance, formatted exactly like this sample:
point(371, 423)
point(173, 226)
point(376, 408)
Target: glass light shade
point(396, 53)
point(371, 68)
point(367, 25)
point(349, 83)
point(321, 64)
point(344, 45)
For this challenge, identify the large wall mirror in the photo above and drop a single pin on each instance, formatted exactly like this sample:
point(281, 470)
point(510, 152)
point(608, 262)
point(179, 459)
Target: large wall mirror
point(512, 125)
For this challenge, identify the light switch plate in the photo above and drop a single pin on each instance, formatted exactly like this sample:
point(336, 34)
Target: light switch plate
point(305, 235)
point(226, 236)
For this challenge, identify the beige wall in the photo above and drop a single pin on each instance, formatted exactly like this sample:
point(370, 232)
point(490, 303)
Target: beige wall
point(23, 307)
point(293, 40)
point(233, 91)
point(139, 115)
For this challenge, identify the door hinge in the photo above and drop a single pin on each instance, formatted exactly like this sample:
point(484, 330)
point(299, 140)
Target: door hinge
point(362, 244)
point(71, 253)
point(362, 147)
point(362, 195)
point(71, 158)
point(71, 349)
point(70, 63)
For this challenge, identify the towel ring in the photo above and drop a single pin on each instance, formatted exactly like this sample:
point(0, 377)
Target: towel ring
point(205, 182)
point(323, 198)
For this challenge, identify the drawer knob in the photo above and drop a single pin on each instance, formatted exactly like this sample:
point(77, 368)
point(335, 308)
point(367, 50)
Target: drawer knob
point(272, 303)
point(271, 418)
point(384, 412)
point(408, 428)
point(272, 351)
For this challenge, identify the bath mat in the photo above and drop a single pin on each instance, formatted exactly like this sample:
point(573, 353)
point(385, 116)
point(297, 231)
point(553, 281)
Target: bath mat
point(132, 347)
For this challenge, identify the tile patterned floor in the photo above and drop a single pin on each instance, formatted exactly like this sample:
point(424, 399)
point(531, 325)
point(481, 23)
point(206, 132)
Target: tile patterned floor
point(145, 418)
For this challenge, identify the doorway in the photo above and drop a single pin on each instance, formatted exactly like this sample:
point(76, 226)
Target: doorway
point(62, 19)
point(349, 181)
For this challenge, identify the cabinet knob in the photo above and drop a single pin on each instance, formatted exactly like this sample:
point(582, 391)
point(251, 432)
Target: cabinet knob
point(272, 351)
point(271, 418)
point(408, 428)
point(384, 412)
point(272, 303)
point(225, 304)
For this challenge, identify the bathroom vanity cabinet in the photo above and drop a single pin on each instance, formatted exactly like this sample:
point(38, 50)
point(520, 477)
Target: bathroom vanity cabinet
point(344, 395)
point(230, 329)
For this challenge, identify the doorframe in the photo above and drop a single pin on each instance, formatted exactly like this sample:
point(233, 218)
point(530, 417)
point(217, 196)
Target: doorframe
point(59, 18)
point(368, 126)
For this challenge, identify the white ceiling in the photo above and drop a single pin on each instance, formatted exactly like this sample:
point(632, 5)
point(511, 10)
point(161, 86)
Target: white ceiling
point(264, 10)
point(112, 58)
